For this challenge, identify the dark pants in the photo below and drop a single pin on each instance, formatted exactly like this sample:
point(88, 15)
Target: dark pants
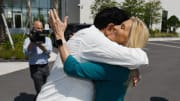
point(39, 74)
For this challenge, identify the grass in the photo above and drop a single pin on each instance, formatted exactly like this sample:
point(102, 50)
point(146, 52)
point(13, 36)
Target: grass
point(164, 35)
point(157, 33)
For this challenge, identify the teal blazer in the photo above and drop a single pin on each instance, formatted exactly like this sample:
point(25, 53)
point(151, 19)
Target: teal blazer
point(110, 80)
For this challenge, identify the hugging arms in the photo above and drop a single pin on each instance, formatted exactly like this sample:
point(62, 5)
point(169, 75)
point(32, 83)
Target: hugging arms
point(92, 44)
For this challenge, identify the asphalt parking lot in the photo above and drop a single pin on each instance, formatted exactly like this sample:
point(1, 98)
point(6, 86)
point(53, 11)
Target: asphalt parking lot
point(160, 80)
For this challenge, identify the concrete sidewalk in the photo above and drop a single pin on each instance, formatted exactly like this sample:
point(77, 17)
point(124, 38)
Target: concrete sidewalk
point(9, 67)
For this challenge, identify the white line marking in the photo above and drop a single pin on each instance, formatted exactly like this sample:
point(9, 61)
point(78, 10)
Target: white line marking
point(163, 45)
point(173, 42)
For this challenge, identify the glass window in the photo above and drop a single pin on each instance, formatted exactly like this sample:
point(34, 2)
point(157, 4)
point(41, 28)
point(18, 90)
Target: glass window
point(43, 4)
point(39, 8)
point(40, 3)
point(34, 3)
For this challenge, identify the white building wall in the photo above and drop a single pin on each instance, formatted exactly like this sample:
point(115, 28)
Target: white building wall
point(85, 11)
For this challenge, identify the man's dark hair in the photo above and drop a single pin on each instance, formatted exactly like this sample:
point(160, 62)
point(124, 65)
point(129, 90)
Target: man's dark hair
point(110, 15)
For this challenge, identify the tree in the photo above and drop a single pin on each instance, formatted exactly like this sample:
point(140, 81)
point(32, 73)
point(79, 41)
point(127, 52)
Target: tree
point(134, 7)
point(152, 14)
point(29, 13)
point(149, 12)
point(56, 4)
point(101, 4)
point(2, 28)
point(173, 23)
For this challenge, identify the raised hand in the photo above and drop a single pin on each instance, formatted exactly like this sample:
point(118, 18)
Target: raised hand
point(58, 26)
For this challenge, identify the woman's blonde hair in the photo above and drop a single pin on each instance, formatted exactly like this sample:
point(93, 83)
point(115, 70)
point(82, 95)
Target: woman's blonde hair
point(138, 35)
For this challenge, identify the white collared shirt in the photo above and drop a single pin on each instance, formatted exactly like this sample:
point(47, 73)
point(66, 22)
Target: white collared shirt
point(94, 46)
point(36, 55)
point(88, 44)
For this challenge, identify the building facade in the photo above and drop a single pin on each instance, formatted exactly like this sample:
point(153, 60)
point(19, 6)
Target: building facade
point(15, 12)
point(78, 11)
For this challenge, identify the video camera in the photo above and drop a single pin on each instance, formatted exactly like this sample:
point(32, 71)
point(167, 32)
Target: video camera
point(38, 36)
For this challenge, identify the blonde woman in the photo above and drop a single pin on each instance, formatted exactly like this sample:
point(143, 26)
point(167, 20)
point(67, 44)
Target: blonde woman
point(136, 38)
point(109, 80)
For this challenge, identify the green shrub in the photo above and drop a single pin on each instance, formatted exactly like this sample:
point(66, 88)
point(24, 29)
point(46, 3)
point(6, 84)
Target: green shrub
point(17, 53)
point(157, 33)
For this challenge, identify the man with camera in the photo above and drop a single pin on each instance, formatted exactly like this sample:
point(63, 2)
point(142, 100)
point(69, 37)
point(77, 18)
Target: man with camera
point(37, 48)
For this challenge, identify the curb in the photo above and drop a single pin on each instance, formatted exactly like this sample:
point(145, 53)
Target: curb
point(164, 39)
point(9, 67)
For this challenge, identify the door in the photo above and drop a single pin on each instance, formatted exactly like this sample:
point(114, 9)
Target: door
point(17, 20)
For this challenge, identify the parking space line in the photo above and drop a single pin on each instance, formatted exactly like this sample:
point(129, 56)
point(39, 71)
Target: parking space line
point(165, 45)
point(173, 42)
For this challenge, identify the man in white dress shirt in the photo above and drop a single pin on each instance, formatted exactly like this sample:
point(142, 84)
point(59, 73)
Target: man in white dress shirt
point(38, 50)
point(91, 44)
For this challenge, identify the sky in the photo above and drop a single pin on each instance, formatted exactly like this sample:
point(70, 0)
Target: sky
point(172, 6)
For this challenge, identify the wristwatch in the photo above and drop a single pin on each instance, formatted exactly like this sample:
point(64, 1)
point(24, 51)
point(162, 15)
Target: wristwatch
point(60, 42)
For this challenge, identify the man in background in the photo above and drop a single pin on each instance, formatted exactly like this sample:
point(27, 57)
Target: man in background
point(37, 47)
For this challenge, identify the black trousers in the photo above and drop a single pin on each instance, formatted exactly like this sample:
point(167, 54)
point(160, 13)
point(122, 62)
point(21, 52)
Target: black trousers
point(39, 74)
